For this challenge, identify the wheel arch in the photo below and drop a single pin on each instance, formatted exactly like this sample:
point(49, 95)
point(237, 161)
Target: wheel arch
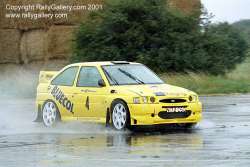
point(118, 99)
point(40, 108)
point(108, 116)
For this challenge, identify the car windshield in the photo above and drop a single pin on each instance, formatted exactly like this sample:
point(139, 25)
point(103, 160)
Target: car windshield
point(130, 74)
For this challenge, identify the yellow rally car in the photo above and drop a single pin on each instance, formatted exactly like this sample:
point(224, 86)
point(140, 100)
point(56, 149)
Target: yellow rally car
point(122, 93)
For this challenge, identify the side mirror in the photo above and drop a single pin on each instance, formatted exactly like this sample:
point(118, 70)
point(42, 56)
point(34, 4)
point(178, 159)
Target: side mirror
point(101, 83)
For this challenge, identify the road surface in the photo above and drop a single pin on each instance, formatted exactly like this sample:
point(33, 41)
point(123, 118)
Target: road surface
point(221, 139)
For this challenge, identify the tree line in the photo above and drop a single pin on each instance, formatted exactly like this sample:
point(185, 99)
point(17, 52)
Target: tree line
point(147, 31)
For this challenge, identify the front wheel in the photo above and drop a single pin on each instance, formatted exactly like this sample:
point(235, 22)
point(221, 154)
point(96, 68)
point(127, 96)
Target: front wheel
point(119, 115)
point(50, 114)
point(187, 125)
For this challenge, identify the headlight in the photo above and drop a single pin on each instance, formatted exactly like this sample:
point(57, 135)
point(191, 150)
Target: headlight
point(143, 99)
point(192, 98)
point(136, 100)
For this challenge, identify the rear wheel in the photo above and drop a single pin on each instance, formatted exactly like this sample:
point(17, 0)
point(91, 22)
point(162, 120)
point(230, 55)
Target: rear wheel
point(50, 113)
point(119, 115)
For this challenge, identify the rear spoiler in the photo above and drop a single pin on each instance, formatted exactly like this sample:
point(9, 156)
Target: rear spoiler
point(46, 76)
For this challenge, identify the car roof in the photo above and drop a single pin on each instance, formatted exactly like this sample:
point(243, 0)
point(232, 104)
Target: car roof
point(101, 63)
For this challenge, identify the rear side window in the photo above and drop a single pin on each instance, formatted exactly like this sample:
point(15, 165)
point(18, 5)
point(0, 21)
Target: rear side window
point(66, 78)
point(88, 77)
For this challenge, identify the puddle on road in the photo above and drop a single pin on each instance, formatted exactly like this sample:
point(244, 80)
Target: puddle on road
point(216, 139)
point(18, 114)
point(205, 124)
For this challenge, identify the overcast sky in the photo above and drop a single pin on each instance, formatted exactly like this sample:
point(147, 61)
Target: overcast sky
point(228, 10)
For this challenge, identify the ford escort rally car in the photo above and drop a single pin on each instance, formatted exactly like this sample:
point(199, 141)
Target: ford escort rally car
point(123, 94)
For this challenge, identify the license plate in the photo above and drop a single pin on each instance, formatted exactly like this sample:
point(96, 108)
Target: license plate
point(176, 109)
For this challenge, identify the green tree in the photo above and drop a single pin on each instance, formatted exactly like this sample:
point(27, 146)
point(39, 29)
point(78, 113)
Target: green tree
point(146, 31)
point(225, 48)
point(244, 27)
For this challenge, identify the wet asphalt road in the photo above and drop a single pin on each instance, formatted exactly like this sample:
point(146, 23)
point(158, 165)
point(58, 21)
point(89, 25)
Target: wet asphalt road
point(221, 139)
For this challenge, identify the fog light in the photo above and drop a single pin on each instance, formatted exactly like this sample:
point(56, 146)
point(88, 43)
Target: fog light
point(190, 98)
point(152, 99)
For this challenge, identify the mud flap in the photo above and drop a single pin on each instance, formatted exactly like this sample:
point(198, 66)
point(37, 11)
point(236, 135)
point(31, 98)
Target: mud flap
point(39, 115)
point(107, 118)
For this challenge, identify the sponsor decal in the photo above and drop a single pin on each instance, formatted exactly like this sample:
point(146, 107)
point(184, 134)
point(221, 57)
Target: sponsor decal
point(62, 99)
point(159, 93)
point(87, 90)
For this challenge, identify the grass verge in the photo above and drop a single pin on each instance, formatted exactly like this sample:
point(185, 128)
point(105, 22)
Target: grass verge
point(237, 81)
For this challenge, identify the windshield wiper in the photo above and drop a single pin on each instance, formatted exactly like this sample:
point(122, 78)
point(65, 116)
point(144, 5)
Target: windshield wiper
point(111, 78)
point(131, 76)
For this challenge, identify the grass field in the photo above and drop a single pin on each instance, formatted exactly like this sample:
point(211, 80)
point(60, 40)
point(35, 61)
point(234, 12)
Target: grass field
point(237, 81)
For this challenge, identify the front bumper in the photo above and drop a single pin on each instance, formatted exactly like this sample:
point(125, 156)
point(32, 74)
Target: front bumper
point(148, 114)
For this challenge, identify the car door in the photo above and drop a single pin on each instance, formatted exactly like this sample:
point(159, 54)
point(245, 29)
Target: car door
point(62, 91)
point(92, 96)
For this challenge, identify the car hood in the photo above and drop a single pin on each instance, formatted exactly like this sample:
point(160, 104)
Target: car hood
point(156, 90)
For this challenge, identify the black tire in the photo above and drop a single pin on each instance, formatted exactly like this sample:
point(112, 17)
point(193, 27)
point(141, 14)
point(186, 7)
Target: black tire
point(50, 118)
point(118, 116)
point(187, 125)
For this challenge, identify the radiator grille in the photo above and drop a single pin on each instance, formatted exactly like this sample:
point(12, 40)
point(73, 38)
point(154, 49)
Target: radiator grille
point(173, 100)
point(168, 115)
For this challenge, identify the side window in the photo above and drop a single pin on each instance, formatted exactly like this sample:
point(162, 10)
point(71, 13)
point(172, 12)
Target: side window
point(88, 77)
point(66, 78)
